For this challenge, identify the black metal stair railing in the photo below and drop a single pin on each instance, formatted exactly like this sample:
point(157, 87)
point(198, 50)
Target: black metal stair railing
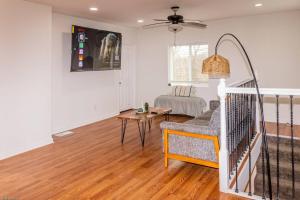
point(292, 146)
point(263, 160)
point(241, 129)
point(277, 147)
point(278, 142)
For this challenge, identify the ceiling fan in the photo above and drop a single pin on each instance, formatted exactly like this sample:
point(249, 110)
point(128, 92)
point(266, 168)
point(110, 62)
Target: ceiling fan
point(176, 22)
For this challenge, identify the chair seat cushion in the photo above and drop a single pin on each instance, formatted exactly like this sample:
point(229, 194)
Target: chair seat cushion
point(192, 147)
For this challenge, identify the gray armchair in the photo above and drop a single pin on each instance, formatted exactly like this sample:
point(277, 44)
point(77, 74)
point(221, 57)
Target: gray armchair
point(195, 141)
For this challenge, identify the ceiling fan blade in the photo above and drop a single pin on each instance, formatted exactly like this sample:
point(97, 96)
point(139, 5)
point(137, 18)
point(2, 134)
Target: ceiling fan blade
point(193, 20)
point(194, 25)
point(161, 20)
point(156, 25)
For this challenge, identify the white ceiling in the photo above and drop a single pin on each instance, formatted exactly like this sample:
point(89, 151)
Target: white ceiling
point(126, 12)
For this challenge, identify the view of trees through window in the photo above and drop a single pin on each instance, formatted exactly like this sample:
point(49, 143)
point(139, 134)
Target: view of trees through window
point(185, 64)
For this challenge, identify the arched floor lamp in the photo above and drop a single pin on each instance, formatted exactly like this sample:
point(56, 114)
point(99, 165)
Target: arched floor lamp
point(217, 66)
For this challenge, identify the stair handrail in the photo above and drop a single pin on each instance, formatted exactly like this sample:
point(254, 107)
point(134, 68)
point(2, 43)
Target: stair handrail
point(223, 90)
point(263, 91)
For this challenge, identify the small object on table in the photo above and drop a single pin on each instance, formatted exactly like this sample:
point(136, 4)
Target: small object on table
point(142, 120)
point(146, 107)
point(140, 111)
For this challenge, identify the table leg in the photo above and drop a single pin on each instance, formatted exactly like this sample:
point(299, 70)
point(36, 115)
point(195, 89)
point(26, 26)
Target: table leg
point(138, 123)
point(142, 131)
point(144, 127)
point(167, 116)
point(150, 124)
point(123, 129)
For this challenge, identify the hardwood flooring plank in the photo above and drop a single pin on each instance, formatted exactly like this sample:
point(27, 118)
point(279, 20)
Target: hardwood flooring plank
point(93, 164)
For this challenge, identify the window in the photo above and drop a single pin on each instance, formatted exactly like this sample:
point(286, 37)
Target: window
point(185, 64)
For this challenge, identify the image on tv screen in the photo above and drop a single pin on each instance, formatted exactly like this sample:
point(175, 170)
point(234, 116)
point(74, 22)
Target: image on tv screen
point(95, 50)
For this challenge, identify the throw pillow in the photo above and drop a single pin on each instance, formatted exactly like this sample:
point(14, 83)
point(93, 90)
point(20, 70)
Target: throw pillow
point(177, 90)
point(185, 91)
point(174, 90)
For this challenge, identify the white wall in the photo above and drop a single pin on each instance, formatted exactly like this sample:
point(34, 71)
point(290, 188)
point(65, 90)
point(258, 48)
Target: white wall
point(272, 42)
point(39, 94)
point(25, 68)
point(80, 98)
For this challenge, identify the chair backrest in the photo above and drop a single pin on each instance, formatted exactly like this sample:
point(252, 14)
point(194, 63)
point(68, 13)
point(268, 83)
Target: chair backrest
point(215, 121)
point(214, 104)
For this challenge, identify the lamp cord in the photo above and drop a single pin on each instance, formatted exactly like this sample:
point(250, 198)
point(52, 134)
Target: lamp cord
point(265, 142)
point(175, 38)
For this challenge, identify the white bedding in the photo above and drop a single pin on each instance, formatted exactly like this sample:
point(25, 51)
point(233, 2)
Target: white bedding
point(192, 106)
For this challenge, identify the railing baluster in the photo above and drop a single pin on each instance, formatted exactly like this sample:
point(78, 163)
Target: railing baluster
point(249, 141)
point(292, 144)
point(228, 129)
point(236, 146)
point(254, 100)
point(232, 134)
point(277, 153)
point(241, 126)
point(237, 126)
point(263, 159)
point(244, 123)
point(253, 109)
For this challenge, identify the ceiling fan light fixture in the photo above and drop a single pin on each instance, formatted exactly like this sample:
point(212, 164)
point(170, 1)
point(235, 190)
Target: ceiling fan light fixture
point(175, 28)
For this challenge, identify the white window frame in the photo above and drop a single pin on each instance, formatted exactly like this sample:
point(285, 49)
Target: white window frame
point(184, 83)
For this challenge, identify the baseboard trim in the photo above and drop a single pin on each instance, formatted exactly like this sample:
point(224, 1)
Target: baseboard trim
point(27, 150)
point(70, 128)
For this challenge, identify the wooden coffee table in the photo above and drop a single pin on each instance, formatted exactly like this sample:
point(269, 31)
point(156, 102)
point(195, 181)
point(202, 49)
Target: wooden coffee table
point(142, 120)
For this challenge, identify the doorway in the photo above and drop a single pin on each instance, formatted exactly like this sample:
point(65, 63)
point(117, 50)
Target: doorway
point(127, 79)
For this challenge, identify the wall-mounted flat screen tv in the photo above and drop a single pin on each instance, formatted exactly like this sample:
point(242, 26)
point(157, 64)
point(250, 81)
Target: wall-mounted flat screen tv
point(95, 50)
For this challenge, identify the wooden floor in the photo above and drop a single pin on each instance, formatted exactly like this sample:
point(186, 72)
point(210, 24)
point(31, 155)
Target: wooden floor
point(92, 164)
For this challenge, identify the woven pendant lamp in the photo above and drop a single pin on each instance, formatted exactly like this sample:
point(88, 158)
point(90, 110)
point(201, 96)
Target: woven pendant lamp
point(216, 66)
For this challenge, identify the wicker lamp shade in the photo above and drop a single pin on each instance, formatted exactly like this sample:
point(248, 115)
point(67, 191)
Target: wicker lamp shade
point(216, 66)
